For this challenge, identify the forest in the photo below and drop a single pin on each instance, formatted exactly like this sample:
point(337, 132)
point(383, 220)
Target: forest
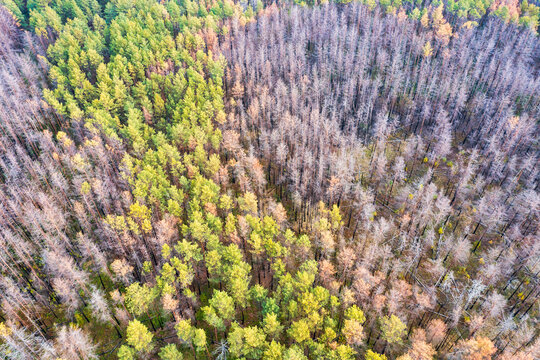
point(271, 179)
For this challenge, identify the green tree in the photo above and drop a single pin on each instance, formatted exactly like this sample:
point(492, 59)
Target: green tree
point(126, 352)
point(370, 355)
point(274, 351)
point(355, 313)
point(224, 305)
point(138, 336)
point(184, 331)
point(299, 331)
point(294, 353)
point(170, 352)
point(237, 282)
point(248, 342)
point(271, 325)
point(248, 203)
point(199, 340)
point(139, 298)
point(345, 352)
point(392, 329)
point(213, 319)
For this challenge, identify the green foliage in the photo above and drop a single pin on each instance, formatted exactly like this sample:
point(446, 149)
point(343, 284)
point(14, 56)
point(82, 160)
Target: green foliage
point(248, 342)
point(392, 329)
point(139, 298)
point(271, 325)
point(184, 330)
point(221, 310)
point(345, 352)
point(138, 336)
point(294, 353)
point(354, 313)
point(274, 351)
point(370, 355)
point(299, 331)
point(170, 352)
point(126, 353)
point(199, 339)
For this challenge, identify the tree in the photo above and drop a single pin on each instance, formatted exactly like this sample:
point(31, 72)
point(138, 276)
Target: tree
point(248, 203)
point(224, 305)
point(126, 352)
point(435, 332)
point(248, 342)
point(392, 329)
point(294, 353)
point(479, 348)
point(170, 352)
point(274, 351)
point(212, 318)
point(299, 331)
point(237, 280)
point(99, 306)
point(353, 331)
point(72, 342)
point(421, 350)
point(138, 336)
point(199, 340)
point(427, 50)
point(184, 330)
point(370, 355)
point(222, 350)
point(139, 298)
point(345, 352)
point(352, 328)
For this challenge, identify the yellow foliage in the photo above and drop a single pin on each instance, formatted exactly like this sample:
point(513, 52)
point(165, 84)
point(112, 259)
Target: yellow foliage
point(335, 215)
point(5, 331)
point(139, 211)
point(63, 138)
point(78, 161)
point(427, 50)
point(444, 31)
point(85, 187)
point(146, 225)
point(424, 20)
point(322, 208)
point(117, 223)
point(402, 16)
point(132, 225)
point(469, 24)
point(437, 16)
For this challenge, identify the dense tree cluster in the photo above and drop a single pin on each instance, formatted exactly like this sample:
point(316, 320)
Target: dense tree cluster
point(221, 180)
